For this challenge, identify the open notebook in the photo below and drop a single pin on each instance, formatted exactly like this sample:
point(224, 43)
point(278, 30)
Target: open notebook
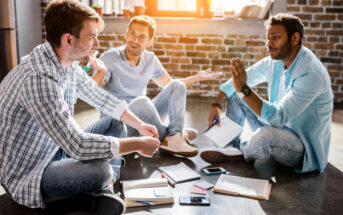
point(225, 133)
point(179, 173)
point(240, 186)
point(145, 192)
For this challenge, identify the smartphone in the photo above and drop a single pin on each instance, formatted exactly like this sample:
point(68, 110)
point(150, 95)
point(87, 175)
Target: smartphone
point(214, 171)
point(194, 200)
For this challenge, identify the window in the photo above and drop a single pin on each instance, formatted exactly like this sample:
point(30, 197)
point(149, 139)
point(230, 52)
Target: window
point(208, 8)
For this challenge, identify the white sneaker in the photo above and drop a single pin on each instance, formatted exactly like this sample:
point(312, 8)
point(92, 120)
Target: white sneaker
point(218, 155)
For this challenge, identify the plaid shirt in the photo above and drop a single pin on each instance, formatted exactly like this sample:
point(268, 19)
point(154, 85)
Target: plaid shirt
point(36, 108)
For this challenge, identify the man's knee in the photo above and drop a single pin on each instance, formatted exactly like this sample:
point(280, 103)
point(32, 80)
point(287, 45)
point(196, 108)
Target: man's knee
point(177, 85)
point(101, 171)
point(263, 135)
point(141, 102)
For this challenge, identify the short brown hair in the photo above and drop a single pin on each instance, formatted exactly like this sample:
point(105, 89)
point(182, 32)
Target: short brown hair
point(67, 16)
point(291, 23)
point(146, 21)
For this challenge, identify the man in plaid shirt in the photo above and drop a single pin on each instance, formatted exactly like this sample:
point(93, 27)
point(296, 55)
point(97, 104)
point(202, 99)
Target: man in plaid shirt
point(44, 155)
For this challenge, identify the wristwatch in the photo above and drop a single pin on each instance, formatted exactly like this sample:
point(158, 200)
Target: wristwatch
point(245, 91)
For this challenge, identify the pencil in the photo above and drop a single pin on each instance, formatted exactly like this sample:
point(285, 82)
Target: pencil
point(172, 183)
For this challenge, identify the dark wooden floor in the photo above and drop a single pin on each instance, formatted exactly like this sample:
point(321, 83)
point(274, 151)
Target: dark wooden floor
point(311, 193)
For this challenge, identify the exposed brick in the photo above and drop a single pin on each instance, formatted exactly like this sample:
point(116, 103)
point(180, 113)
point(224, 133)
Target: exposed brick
point(311, 39)
point(173, 46)
point(339, 81)
point(335, 67)
point(243, 37)
point(231, 55)
point(321, 53)
point(248, 56)
point(323, 39)
point(207, 41)
point(337, 3)
point(333, 54)
point(232, 36)
point(313, 9)
point(335, 32)
point(121, 38)
point(302, 2)
point(164, 59)
point(237, 49)
point(340, 17)
point(213, 35)
point(196, 54)
point(290, 1)
point(220, 62)
point(313, 2)
point(190, 67)
point(205, 48)
point(181, 60)
point(255, 43)
point(190, 47)
point(166, 39)
point(217, 41)
point(158, 52)
point(157, 46)
point(175, 53)
point(326, 25)
point(170, 66)
point(213, 55)
point(315, 24)
point(106, 37)
point(221, 48)
point(228, 42)
point(339, 46)
point(325, 2)
point(334, 10)
point(180, 73)
point(188, 40)
point(330, 60)
point(293, 9)
point(255, 50)
point(304, 16)
point(240, 43)
point(324, 17)
point(314, 32)
point(200, 61)
point(117, 44)
point(104, 44)
point(337, 25)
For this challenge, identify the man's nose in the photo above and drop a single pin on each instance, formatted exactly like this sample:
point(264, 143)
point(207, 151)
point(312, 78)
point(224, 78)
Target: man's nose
point(96, 44)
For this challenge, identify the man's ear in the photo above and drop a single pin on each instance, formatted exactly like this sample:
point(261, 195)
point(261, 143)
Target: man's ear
point(295, 38)
point(67, 39)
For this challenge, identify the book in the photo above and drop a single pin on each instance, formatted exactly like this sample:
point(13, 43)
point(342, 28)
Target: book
point(222, 135)
point(241, 186)
point(179, 173)
point(146, 192)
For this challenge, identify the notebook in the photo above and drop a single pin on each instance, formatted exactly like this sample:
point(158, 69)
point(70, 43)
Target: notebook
point(146, 192)
point(225, 133)
point(240, 186)
point(179, 173)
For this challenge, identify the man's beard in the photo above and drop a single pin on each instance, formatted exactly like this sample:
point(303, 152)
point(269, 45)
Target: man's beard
point(283, 51)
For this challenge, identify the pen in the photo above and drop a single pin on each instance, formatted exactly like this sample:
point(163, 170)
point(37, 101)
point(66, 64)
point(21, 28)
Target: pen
point(144, 202)
point(215, 120)
point(88, 66)
point(172, 183)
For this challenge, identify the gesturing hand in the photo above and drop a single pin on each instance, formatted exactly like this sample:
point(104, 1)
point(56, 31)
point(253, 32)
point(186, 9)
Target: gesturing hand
point(208, 75)
point(239, 76)
point(97, 63)
point(148, 130)
point(148, 146)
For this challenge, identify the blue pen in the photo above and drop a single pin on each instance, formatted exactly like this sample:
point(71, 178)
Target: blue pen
point(215, 120)
point(144, 202)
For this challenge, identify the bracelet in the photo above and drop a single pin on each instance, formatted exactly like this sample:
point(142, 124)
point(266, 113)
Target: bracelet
point(217, 105)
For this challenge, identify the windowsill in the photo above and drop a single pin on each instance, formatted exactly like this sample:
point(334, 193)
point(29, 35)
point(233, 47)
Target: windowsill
point(191, 25)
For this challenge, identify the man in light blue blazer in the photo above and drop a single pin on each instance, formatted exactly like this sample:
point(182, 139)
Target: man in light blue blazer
point(293, 126)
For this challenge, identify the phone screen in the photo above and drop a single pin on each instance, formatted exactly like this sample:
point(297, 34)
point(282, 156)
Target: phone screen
point(194, 200)
point(214, 170)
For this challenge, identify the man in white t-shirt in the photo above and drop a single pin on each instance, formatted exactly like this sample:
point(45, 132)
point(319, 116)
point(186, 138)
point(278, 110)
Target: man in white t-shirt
point(129, 70)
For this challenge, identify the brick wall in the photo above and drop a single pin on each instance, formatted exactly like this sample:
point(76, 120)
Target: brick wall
point(185, 54)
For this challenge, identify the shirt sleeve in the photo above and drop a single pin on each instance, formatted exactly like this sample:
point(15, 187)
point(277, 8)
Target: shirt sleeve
point(44, 100)
point(89, 91)
point(256, 74)
point(305, 89)
point(159, 70)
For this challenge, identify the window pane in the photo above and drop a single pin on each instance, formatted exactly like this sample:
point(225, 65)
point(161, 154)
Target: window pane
point(177, 5)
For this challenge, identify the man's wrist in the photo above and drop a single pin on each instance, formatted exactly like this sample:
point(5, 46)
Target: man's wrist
point(215, 104)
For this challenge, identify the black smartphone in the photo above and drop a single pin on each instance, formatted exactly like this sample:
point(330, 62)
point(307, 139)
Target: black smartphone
point(194, 200)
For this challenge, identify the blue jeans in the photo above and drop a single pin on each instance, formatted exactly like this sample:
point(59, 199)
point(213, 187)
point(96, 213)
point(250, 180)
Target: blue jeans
point(281, 144)
point(65, 176)
point(170, 102)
